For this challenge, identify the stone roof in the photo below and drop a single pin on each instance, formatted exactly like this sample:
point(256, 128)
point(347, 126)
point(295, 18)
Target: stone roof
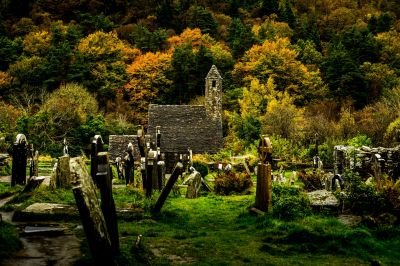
point(213, 73)
point(185, 126)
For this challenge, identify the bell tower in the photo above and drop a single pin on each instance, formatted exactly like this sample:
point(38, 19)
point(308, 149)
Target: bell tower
point(213, 91)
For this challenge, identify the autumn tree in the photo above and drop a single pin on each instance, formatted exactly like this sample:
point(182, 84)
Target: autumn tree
point(278, 60)
point(148, 81)
point(105, 58)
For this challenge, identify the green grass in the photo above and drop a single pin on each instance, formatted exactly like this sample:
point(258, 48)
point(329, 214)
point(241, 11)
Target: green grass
point(9, 240)
point(6, 190)
point(42, 194)
point(218, 230)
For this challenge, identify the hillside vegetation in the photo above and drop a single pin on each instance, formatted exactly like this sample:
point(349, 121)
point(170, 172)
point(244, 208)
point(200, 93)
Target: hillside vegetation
point(291, 69)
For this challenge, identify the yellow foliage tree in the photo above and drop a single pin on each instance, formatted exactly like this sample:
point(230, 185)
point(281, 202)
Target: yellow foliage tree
point(5, 80)
point(390, 42)
point(278, 60)
point(37, 43)
point(101, 45)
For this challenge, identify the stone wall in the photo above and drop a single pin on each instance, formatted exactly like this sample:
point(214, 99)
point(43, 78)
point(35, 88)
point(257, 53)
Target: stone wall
point(118, 145)
point(362, 160)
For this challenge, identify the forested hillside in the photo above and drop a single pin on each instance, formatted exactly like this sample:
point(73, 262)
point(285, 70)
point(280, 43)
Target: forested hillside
point(291, 69)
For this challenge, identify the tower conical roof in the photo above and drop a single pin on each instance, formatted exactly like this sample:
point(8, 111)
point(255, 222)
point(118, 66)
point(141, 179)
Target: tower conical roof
point(213, 73)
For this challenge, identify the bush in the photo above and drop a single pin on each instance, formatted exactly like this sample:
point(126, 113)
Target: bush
point(201, 167)
point(229, 183)
point(289, 203)
point(363, 198)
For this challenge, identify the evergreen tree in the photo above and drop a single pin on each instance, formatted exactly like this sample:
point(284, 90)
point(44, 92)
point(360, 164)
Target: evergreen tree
point(269, 7)
point(199, 17)
point(165, 14)
point(384, 23)
point(372, 24)
point(344, 76)
point(182, 75)
point(204, 60)
point(361, 45)
point(240, 37)
point(286, 14)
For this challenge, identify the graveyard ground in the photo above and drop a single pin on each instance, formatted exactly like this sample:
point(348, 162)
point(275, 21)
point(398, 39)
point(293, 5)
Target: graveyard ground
point(219, 230)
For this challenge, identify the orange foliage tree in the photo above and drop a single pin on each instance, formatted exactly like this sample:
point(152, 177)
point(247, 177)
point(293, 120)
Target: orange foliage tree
point(147, 78)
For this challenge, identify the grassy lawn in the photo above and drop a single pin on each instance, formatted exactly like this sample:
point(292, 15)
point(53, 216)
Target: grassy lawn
point(216, 230)
point(219, 230)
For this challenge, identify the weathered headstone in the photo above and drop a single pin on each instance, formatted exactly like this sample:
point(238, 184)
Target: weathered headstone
point(161, 174)
point(34, 163)
point(129, 165)
point(151, 161)
point(96, 147)
point(264, 181)
point(178, 169)
point(20, 152)
point(120, 167)
point(63, 174)
point(194, 185)
point(92, 217)
point(107, 204)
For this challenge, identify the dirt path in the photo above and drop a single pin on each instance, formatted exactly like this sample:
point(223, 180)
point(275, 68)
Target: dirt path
point(42, 249)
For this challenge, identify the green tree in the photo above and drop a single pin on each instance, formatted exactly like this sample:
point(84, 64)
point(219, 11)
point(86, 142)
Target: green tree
point(10, 50)
point(183, 75)
point(269, 7)
point(361, 45)
point(240, 37)
point(344, 76)
point(286, 14)
point(199, 17)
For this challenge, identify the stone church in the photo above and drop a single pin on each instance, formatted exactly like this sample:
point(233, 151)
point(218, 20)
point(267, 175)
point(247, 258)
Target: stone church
point(183, 127)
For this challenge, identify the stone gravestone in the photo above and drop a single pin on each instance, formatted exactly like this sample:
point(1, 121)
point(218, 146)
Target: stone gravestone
point(178, 169)
point(20, 152)
point(34, 162)
point(264, 181)
point(93, 221)
point(103, 177)
point(161, 168)
point(63, 174)
point(194, 185)
point(96, 147)
point(129, 165)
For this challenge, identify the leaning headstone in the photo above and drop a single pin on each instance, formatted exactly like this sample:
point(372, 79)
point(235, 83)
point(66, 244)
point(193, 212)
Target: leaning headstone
point(264, 180)
point(194, 185)
point(20, 152)
point(33, 183)
point(107, 204)
point(178, 169)
point(92, 217)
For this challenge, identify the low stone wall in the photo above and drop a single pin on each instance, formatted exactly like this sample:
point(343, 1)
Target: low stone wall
point(364, 159)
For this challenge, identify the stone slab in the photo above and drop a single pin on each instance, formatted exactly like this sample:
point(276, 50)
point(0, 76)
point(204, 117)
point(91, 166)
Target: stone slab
point(323, 198)
point(54, 211)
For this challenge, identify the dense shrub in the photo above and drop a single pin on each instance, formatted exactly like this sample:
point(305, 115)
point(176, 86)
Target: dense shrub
point(289, 203)
point(363, 198)
point(231, 182)
point(201, 167)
